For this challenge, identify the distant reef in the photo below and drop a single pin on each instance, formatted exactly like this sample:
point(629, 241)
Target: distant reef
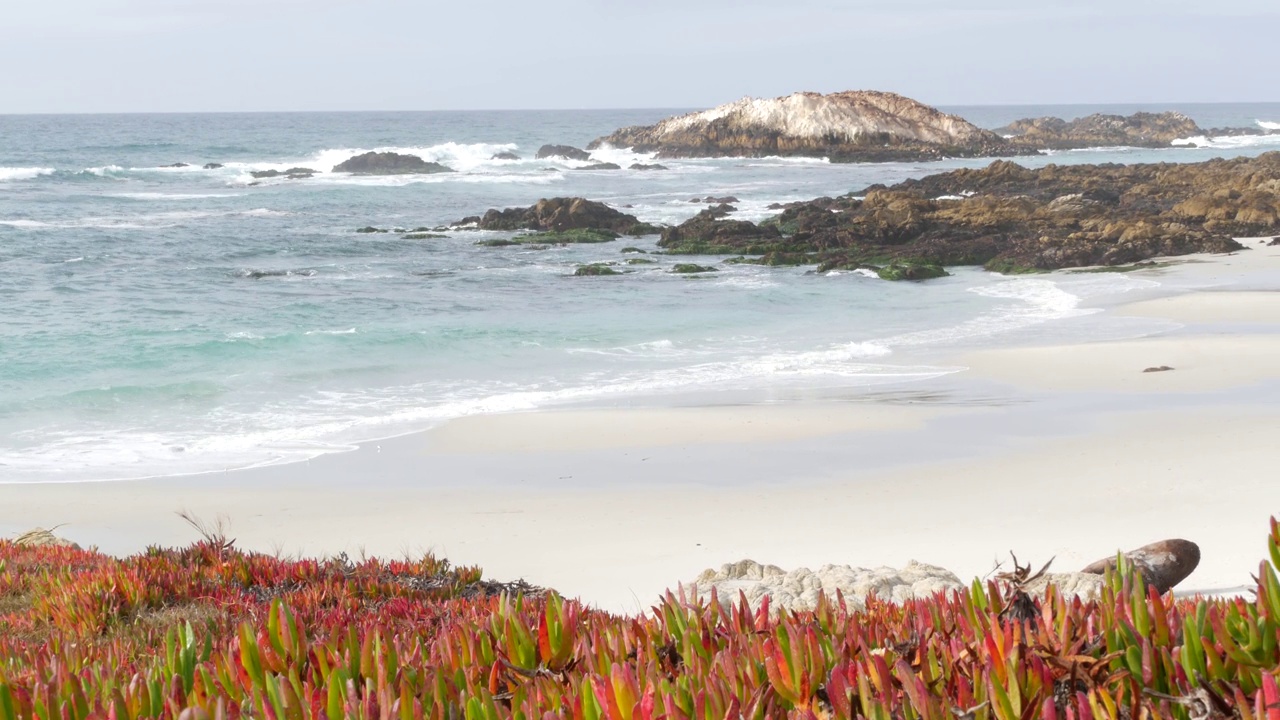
point(872, 126)
point(1143, 129)
point(861, 126)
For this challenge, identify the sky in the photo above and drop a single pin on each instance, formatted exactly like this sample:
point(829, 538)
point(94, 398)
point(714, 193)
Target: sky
point(305, 55)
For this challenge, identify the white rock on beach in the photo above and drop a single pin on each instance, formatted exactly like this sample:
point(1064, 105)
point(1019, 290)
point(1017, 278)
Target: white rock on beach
point(798, 589)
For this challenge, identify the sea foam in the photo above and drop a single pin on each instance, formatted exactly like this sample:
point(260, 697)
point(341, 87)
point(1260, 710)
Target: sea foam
point(8, 174)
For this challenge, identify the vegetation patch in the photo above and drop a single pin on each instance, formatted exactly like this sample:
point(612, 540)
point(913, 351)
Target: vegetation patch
point(212, 632)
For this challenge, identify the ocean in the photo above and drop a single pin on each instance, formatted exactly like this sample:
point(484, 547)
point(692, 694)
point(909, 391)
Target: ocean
point(174, 320)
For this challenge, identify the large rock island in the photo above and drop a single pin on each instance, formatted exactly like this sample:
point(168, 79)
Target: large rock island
point(863, 126)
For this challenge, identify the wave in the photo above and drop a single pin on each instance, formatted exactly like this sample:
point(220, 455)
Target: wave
point(8, 174)
point(1233, 142)
point(152, 221)
point(1268, 125)
point(173, 196)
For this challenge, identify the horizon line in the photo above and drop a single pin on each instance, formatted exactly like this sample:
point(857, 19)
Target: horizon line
point(599, 109)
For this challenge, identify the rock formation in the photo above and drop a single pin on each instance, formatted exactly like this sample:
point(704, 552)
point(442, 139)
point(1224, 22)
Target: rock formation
point(1143, 129)
point(1011, 219)
point(1137, 130)
point(562, 151)
point(389, 163)
point(561, 214)
point(845, 127)
point(505, 156)
point(1162, 564)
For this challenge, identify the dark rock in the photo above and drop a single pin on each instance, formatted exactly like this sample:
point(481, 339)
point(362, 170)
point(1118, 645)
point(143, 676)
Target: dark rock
point(691, 269)
point(423, 236)
point(1274, 241)
point(212, 166)
point(562, 151)
point(1162, 368)
point(563, 237)
point(389, 163)
point(505, 156)
point(296, 173)
point(640, 261)
point(1162, 565)
point(633, 250)
point(845, 127)
point(557, 214)
point(176, 165)
point(601, 166)
point(371, 229)
point(643, 166)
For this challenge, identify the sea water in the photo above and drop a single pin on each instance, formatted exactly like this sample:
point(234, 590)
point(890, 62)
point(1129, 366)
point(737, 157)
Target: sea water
point(167, 320)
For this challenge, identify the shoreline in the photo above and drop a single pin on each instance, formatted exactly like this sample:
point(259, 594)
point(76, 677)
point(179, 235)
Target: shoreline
point(615, 504)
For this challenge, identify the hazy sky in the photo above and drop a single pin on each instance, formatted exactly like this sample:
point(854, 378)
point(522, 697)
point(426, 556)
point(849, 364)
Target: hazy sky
point(234, 55)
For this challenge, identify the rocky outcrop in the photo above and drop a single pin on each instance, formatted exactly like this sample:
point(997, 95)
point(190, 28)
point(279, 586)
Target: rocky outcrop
point(505, 156)
point(567, 152)
point(601, 166)
point(1162, 564)
point(1138, 130)
point(1012, 219)
point(798, 590)
point(560, 214)
point(212, 166)
point(863, 126)
point(389, 163)
point(1152, 130)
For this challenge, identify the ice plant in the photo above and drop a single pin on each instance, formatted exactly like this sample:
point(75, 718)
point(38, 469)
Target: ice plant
point(210, 632)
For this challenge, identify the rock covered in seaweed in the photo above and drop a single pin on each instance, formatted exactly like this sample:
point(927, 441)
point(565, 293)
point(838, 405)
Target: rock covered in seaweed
point(853, 126)
point(389, 163)
point(1013, 219)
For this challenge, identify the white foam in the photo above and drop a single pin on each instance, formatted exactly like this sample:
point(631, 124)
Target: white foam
point(8, 174)
point(1040, 301)
point(348, 331)
point(1229, 142)
point(140, 222)
point(173, 196)
point(1267, 125)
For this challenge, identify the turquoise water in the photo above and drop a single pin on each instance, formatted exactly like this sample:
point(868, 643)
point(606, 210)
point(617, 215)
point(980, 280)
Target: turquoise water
point(170, 320)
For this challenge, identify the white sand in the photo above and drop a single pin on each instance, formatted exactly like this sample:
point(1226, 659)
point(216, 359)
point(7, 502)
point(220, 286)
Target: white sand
point(1211, 307)
point(1200, 363)
point(597, 429)
point(615, 505)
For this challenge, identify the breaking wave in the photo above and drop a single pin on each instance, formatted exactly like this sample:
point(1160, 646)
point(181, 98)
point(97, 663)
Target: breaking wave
point(17, 173)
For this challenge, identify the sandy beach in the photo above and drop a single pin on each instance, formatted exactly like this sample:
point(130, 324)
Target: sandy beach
point(1074, 452)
